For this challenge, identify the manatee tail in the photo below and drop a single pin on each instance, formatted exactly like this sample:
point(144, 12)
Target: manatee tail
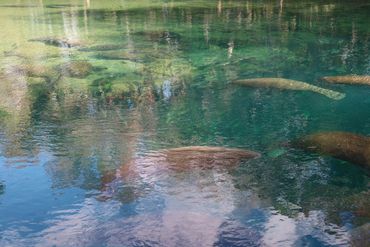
point(328, 93)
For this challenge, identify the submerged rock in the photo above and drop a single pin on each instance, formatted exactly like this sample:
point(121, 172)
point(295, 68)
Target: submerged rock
point(342, 145)
point(58, 42)
point(282, 83)
point(348, 79)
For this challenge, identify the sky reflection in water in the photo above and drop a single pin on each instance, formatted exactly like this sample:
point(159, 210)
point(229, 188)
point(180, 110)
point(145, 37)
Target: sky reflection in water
point(88, 86)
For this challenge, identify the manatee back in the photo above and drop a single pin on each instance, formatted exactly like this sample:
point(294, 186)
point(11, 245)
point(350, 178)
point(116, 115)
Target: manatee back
point(348, 79)
point(274, 83)
point(341, 145)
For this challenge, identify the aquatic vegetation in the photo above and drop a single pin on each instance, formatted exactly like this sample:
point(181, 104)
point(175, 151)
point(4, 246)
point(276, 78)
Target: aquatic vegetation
point(78, 69)
point(161, 76)
point(159, 36)
point(120, 55)
point(177, 70)
point(342, 145)
point(15, 100)
point(287, 208)
point(58, 6)
point(18, 6)
point(34, 71)
point(282, 83)
point(104, 47)
point(3, 114)
point(58, 42)
point(348, 79)
point(13, 92)
point(115, 86)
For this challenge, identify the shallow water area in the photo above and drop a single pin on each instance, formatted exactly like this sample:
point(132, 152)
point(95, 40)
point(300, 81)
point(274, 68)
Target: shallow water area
point(93, 94)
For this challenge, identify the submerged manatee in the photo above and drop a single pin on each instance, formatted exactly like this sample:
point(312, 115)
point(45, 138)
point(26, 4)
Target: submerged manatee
point(342, 145)
point(282, 83)
point(192, 157)
point(360, 236)
point(168, 169)
point(348, 79)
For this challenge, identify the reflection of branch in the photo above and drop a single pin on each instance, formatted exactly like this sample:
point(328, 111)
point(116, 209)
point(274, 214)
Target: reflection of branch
point(219, 7)
point(2, 188)
point(281, 6)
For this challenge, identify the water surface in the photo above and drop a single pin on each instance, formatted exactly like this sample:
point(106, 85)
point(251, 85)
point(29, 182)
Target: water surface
point(87, 86)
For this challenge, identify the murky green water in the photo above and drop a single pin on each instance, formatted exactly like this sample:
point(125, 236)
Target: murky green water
point(87, 86)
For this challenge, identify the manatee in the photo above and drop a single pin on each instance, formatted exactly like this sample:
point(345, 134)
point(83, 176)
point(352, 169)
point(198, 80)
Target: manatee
point(341, 145)
point(282, 83)
point(187, 158)
point(360, 204)
point(58, 42)
point(360, 236)
point(166, 165)
point(348, 79)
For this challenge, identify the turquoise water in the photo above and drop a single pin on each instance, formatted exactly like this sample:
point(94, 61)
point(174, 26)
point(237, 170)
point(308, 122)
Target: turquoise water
point(154, 75)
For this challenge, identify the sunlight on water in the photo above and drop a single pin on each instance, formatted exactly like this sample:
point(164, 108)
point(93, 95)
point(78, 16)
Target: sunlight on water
point(132, 123)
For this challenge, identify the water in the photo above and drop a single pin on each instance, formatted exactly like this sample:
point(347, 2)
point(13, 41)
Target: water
point(156, 75)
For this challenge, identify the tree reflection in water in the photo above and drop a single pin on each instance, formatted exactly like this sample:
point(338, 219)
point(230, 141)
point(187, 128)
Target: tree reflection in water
point(156, 75)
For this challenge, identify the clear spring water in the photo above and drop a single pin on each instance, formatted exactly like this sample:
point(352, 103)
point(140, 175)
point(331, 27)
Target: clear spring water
point(155, 75)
